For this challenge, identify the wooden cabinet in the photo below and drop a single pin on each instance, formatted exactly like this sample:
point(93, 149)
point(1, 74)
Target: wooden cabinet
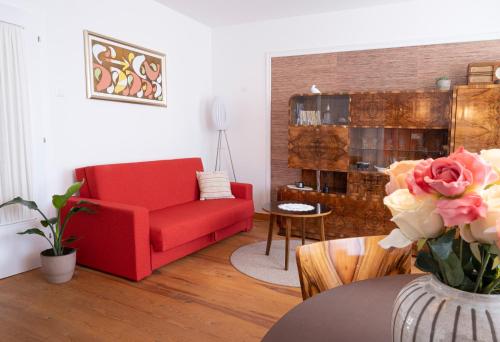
point(429, 109)
point(351, 136)
point(476, 117)
point(333, 148)
point(371, 109)
point(303, 142)
point(318, 147)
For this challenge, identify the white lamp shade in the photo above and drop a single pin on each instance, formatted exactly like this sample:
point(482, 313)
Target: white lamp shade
point(220, 117)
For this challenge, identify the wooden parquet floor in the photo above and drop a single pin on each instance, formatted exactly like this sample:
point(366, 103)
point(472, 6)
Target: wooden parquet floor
point(198, 298)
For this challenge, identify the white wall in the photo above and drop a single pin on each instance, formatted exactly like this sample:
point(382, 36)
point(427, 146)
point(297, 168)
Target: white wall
point(240, 57)
point(79, 131)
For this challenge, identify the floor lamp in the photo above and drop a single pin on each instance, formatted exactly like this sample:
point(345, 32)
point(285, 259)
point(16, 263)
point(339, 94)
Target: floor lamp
point(220, 120)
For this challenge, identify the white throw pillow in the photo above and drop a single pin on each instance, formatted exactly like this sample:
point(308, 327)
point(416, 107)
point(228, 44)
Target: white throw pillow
point(214, 185)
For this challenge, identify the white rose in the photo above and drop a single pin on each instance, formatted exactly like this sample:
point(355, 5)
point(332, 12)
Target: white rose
point(492, 156)
point(484, 229)
point(397, 175)
point(416, 218)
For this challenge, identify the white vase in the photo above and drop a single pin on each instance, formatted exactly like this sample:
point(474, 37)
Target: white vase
point(443, 84)
point(428, 310)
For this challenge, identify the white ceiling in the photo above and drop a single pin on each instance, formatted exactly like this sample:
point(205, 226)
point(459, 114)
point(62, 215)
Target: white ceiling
point(216, 13)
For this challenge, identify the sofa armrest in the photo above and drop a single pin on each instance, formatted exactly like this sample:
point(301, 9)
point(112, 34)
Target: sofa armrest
point(242, 190)
point(114, 239)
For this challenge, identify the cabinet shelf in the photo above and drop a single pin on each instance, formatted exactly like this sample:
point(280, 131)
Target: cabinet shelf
point(394, 150)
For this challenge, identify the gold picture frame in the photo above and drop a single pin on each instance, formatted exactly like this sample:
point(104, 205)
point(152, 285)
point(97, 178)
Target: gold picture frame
point(119, 71)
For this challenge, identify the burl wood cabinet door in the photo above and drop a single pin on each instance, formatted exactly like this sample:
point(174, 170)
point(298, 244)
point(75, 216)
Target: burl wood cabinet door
point(333, 148)
point(303, 151)
point(477, 118)
point(318, 147)
point(425, 110)
point(377, 109)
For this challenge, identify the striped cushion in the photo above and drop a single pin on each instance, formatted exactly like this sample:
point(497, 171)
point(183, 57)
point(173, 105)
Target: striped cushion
point(214, 185)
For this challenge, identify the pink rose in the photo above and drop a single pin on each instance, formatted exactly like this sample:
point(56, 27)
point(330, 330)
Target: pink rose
point(482, 172)
point(415, 179)
point(461, 210)
point(448, 177)
point(443, 176)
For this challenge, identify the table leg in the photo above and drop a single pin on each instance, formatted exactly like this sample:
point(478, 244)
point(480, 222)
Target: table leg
point(287, 242)
point(323, 228)
point(303, 231)
point(272, 220)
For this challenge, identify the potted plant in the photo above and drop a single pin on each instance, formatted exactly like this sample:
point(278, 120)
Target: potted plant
point(58, 262)
point(443, 83)
point(450, 206)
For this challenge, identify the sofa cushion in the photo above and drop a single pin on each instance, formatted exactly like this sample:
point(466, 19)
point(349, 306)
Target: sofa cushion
point(214, 185)
point(153, 185)
point(174, 226)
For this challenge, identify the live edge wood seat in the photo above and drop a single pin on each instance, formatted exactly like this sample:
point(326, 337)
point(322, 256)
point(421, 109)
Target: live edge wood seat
point(328, 264)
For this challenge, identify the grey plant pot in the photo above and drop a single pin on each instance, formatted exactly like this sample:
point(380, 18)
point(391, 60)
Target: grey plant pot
point(58, 269)
point(443, 84)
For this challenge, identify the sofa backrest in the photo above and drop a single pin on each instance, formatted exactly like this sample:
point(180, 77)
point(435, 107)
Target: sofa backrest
point(153, 184)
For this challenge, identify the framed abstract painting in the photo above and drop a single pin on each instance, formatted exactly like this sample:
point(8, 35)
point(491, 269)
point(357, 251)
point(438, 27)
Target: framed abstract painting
point(120, 71)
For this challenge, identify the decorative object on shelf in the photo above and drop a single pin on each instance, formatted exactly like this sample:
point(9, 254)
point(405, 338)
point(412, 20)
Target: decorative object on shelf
point(315, 90)
point(295, 207)
point(299, 184)
point(325, 189)
point(303, 188)
point(362, 165)
point(483, 72)
point(120, 71)
point(220, 119)
point(58, 262)
point(443, 83)
point(327, 116)
point(451, 206)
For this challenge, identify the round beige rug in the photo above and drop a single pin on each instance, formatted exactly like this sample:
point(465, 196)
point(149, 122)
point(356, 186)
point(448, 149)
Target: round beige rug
point(252, 260)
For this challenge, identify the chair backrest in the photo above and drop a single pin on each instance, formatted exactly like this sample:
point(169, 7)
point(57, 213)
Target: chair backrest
point(328, 264)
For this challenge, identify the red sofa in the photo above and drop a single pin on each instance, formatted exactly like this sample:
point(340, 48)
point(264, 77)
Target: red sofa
point(149, 214)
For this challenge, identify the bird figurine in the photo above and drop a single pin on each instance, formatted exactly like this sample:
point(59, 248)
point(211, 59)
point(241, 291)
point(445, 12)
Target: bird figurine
point(315, 90)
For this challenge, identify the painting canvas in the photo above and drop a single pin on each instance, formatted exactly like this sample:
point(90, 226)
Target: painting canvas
point(119, 71)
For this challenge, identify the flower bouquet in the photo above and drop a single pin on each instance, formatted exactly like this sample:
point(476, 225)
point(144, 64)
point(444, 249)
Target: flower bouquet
point(451, 206)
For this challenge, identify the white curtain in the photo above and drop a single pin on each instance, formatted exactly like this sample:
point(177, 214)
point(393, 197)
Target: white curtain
point(15, 131)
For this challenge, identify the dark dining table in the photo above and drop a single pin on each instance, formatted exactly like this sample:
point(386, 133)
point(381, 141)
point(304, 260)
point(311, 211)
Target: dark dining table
point(360, 311)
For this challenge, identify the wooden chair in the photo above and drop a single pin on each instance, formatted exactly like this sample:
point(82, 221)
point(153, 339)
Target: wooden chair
point(328, 264)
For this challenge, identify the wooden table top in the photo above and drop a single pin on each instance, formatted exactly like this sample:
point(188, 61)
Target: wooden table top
point(318, 211)
point(360, 311)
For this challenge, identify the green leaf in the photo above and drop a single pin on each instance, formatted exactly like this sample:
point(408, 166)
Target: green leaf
point(46, 223)
point(75, 210)
point(493, 249)
point(442, 246)
point(426, 263)
point(467, 285)
point(474, 248)
point(59, 201)
point(421, 244)
point(454, 273)
point(31, 231)
point(18, 200)
point(70, 240)
point(496, 262)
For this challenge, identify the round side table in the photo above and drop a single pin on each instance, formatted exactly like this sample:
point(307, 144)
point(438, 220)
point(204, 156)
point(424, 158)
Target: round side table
point(319, 211)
